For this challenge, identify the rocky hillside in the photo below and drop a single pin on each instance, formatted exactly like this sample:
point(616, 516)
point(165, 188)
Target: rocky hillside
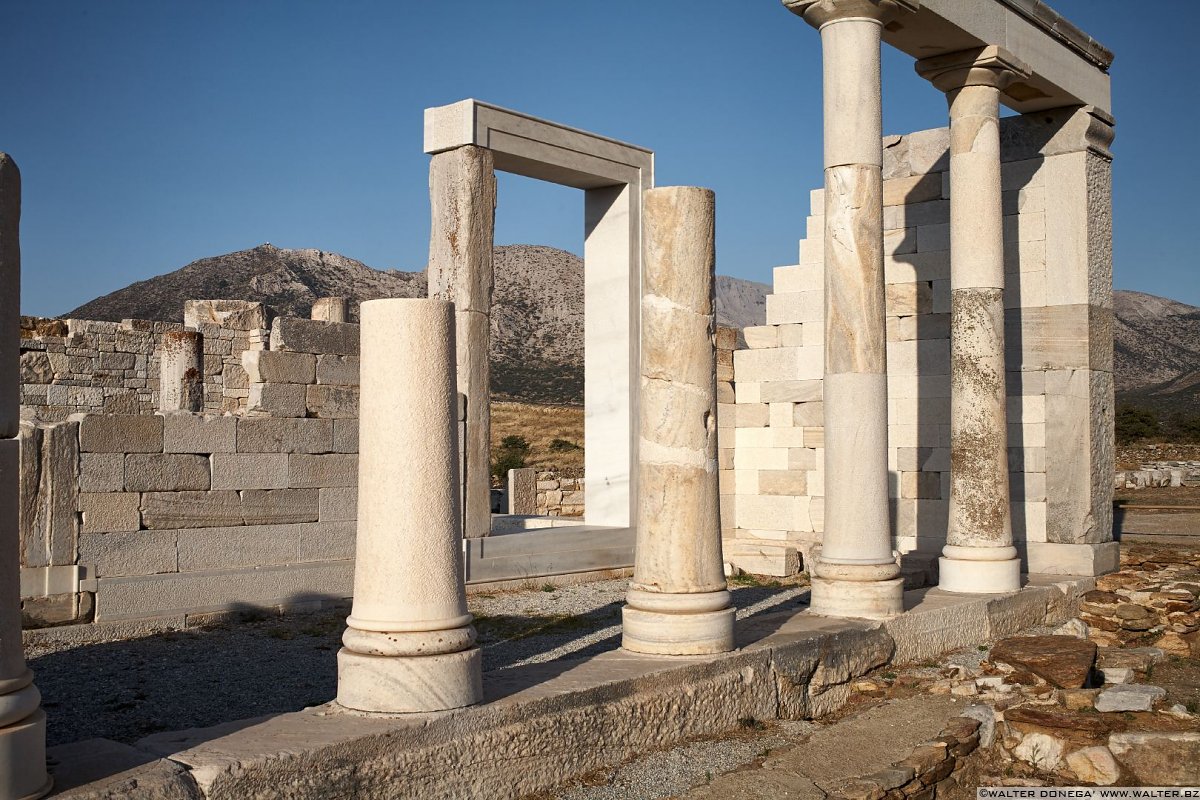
point(1156, 352)
point(537, 323)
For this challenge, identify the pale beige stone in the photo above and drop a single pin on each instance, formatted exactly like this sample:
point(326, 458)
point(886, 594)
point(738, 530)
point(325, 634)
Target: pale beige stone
point(129, 553)
point(277, 399)
point(102, 433)
point(320, 471)
point(165, 473)
point(278, 506)
point(101, 472)
point(338, 504)
point(260, 435)
point(249, 471)
point(332, 402)
point(170, 510)
point(268, 366)
point(195, 433)
point(181, 371)
point(331, 309)
point(109, 511)
point(313, 336)
point(337, 370)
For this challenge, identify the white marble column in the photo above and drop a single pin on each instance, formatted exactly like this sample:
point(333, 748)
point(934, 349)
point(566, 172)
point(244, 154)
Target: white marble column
point(181, 371)
point(462, 205)
point(678, 602)
point(22, 721)
point(979, 556)
point(409, 645)
point(856, 573)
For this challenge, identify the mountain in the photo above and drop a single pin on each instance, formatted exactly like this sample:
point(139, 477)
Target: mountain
point(1156, 352)
point(537, 310)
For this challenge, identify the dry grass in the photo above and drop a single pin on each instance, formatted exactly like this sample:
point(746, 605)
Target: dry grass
point(541, 426)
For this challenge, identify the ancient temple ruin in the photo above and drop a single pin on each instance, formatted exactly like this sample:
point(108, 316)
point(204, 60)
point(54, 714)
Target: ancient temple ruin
point(929, 402)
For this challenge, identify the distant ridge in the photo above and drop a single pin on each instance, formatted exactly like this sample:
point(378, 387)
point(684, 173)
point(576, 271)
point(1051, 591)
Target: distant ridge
point(537, 319)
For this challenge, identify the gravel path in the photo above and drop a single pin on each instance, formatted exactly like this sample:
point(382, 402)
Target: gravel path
point(125, 690)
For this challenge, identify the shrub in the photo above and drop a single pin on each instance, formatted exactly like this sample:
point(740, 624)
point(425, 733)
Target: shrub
point(563, 446)
point(1134, 424)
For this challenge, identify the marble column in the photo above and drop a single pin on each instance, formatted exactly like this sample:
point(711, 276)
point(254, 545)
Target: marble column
point(678, 602)
point(462, 200)
point(856, 573)
point(181, 371)
point(22, 721)
point(979, 556)
point(409, 644)
point(331, 309)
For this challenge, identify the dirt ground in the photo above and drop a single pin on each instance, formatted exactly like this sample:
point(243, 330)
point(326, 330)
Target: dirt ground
point(542, 427)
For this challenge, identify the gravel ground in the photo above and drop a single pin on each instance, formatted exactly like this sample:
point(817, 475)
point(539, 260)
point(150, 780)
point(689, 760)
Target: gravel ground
point(125, 690)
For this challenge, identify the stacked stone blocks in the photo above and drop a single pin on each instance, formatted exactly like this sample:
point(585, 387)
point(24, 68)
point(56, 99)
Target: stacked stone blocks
point(1055, 179)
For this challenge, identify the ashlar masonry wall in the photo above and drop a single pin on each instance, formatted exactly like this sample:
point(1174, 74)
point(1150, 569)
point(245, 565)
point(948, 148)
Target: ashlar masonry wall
point(1056, 179)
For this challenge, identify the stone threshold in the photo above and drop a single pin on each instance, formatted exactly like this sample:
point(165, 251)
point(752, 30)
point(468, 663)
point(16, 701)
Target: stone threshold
point(543, 724)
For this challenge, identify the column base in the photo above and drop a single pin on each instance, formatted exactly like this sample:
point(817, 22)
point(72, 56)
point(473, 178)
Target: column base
point(409, 684)
point(862, 599)
point(664, 634)
point(23, 758)
point(979, 577)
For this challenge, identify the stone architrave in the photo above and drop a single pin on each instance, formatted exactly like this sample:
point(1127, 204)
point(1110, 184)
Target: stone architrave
point(181, 371)
point(22, 721)
point(409, 644)
point(462, 198)
point(979, 556)
point(678, 602)
point(331, 309)
point(856, 573)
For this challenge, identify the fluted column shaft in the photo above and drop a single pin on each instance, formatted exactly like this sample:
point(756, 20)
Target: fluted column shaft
point(409, 644)
point(678, 602)
point(979, 556)
point(856, 574)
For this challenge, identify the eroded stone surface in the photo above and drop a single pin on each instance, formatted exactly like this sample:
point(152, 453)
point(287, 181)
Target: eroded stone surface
point(1064, 661)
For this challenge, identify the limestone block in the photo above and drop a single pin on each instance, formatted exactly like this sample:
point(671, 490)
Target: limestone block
point(794, 307)
point(331, 309)
point(812, 251)
point(796, 334)
point(522, 491)
point(332, 402)
point(791, 483)
point(790, 391)
point(771, 512)
point(170, 510)
point(49, 501)
point(101, 472)
point(314, 336)
point(338, 504)
point(337, 370)
point(933, 237)
point(804, 458)
point(234, 315)
point(109, 511)
point(277, 506)
point(1159, 758)
point(911, 215)
point(326, 541)
point(307, 471)
point(808, 415)
point(751, 415)
point(1053, 558)
point(270, 366)
point(146, 472)
point(907, 299)
point(1079, 455)
point(260, 435)
point(916, 189)
point(725, 339)
point(249, 471)
point(345, 435)
point(746, 391)
point(760, 557)
point(781, 415)
point(129, 553)
point(782, 363)
point(197, 433)
point(277, 399)
point(797, 278)
point(100, 433)
point(761, 336)
point(240, 546)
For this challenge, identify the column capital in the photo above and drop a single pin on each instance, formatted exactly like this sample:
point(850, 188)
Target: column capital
point(819, 13)
point(980, 66)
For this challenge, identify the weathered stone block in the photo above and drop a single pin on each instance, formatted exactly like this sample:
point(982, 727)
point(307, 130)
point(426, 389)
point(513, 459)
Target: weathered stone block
point(345, 435)
point(332, 402)
point(101, 472)
point(195, 433)
point(278, 506)
point(277, 399)
point(145, 472)
point(790, 391)
point(337, 370)
point(338, 504)
point(319, 471)
point(259, 435)
point(250, 471)
point(239, 546)
point(326, 541)
point(109, 511)
point(314, 336)
point(129, 553)
point(240, 315)
point(99, 433)
point(271, 366)
point(168, 510)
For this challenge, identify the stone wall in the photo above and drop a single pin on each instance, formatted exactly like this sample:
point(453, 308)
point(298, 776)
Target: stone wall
point(1057, 234)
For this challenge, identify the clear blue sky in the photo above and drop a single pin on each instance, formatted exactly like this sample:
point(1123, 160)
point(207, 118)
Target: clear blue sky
point(152, 133)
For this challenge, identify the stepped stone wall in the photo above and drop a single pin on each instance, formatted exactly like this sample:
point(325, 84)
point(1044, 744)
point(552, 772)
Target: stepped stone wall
point(1056, 184)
